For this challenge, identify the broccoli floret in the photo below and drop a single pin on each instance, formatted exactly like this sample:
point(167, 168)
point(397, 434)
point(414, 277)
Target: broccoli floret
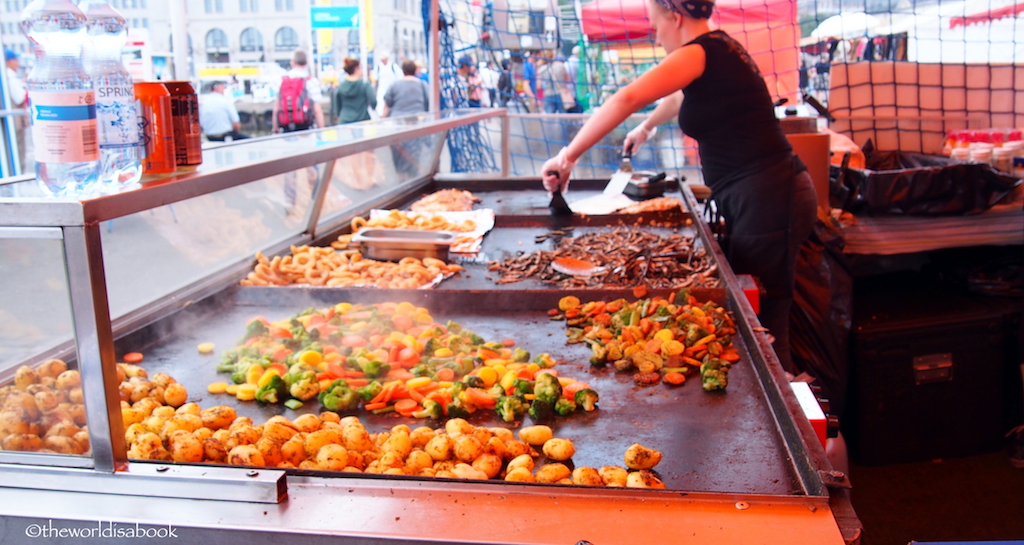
point(423, 370)
point(241, 369)
point(456, 409)
point(547, 388)
point(431, 409)
point(520, 356)
point(275, 390)
point(713, 376)
point(374, 369)
point(454, 327)
point(586, 398)
point(565, 406)
point(599, 356)
point(545, 361)
point(457, 388)
point(256, 328)
point(302, 383)
point(510, 407)
point(496, 391)
point(370, 391)
point(474, 381)
point(338, 397)
point(521, 386)
point(541, 410)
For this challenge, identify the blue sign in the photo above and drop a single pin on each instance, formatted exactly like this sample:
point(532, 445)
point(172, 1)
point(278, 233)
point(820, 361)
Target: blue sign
point(335, 17)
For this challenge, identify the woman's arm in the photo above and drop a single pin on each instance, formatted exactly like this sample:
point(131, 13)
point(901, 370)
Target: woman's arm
point(665, 111)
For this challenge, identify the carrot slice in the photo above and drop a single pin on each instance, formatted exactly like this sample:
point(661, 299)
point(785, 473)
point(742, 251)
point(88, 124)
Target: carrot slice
point(406, 405)
point(674, 378)
point(357, 381)
point(508, 343)
point(446, 374)
point(374, 406)
point(415, 395)
point(133, 357)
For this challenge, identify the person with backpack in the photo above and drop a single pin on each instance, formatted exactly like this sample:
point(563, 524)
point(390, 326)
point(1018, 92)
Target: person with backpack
point(297, 107)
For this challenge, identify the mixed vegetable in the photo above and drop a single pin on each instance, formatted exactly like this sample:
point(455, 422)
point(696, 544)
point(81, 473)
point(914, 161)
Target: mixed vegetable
point(657, 337)
point(393, 357)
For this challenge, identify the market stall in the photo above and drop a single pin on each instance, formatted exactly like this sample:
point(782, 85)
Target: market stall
point(184, 262)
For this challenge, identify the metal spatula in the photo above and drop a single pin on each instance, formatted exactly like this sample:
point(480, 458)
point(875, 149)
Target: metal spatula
point(621, 178)
point(558, 206)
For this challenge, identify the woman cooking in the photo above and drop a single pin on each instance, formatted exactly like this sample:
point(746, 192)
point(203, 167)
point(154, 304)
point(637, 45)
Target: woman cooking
point(759, 187)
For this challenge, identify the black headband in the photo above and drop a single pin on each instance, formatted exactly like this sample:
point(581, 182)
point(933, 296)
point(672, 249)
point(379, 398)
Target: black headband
point(698, 9)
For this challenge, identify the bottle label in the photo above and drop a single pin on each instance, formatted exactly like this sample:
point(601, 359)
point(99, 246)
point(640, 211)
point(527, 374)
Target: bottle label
point(64, 126)
point(117, 117)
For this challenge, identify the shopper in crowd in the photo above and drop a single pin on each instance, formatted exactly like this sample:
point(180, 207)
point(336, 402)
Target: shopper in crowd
point(489, 80)
point(299, 91)
point(408, 95)
point(354, 97)
point(385, 74)
point(469, 81)
point(506, 89)
point(759, 187)
point(558, 95)
point(524, 79)
point(218, 117)
point(19, 101)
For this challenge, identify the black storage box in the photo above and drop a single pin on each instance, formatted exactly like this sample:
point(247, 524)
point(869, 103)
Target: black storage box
point(931, 371)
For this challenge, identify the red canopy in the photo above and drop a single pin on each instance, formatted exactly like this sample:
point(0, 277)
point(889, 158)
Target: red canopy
point(767, 28)
point(987, 16)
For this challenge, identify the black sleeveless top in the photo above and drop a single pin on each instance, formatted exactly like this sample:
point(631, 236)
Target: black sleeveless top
point(729, 111)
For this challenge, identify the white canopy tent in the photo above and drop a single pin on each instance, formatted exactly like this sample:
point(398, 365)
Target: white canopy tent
point(971, 31)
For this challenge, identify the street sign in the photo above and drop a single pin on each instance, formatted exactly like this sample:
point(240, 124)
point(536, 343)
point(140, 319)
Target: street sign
point(335, 17)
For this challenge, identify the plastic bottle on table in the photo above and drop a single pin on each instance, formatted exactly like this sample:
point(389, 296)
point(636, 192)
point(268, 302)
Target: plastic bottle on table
point(63, 103)
point(116, 108)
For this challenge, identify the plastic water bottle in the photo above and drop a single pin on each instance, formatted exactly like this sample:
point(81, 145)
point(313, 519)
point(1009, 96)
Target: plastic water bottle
point(62, 102)
point(116, 109)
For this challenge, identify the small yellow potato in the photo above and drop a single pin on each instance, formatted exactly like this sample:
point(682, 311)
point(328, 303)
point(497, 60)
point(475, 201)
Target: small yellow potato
point(155, 423)
point(504, 434)
point(640, 457)
point(515, 449)
point(489, 464)
point(242, 435)
point(279, 429)
point(46, 400)
point(187, 422)
point(559, 450)
point(162, 379)
point(163, 411)
point(355, 459)
point(77, 412)
point(160, 454)
point(68, 380)
point(613, 475)
point(15, 420)
point(395, 471)
point(399, 443)
point(427, 472)
point(319, 438)
point(133, 432)
point(520, 475)
point(309, 464)
point(25, 442)
point(458, 425)
point(643, 479)
point(246, 455)
point(143, 445)
point(536, 435)
point(586, 476)
point(133, 371)
point(466, 471)
point(417, 461)
point(483, 435)
point(495, 446)
point(190, 408)
point(203, 433)
point(82, 438)
point(307, 423)
point(523, 460)
point(552, 473)
point(25, 376)
point(64, 427)
point(390, 460)
point(63, 445)
point(445, 465)
point(218, 417)
point(403, 428)
point(294, 449)
point(421, 436)
point(175, 394)
point(331, 457)
point(439, 448)
point(350, 420)
point(185, 447)
point(240, 421)
point(356, 437)
point(271, 451)
point(330, 416)
point(147, 405)
point(75, 395)
point(467, 448)
point(52, 368)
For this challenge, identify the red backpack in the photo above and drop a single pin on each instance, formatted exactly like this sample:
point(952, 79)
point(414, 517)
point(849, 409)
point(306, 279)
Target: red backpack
point(295, 108)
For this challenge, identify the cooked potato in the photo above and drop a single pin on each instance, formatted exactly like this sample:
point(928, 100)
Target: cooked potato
point(395, 471)
point(427, 472)
point(189, 408)
point(351, 469)
point(458, 425)
point(467, 448)
point(133, 432)
point(330, 416)
point(133, 371)
point(552, 473)
point(68, 380)
point(439, 448)
point(64, 427)
point(26, 442)
point(309, 464)
point(187, 422)
point(536, 435)
point(77, 412)
point(307, 423)
point(643, 479)
point(640, 457)
point(132, 416)
point(319, 438)
point(356, 437)
point(515, 449)
point(15, 420)
point(82, 438)
point(203, 433)
point(46, 400)
point(489, 464)
point(242, 435)
point(495, 446)
point(356, 460)
point(613, 475)
point(523, 460)
point(399, 443)
point(240, 422)
point(221, 435)
point(185, 447)
point(350, 420)
point(445, 475)
point(294, 449)
point(520, 475)
point(504, 434)
point(24, 377)
point(163, 411)
point(246, 455)
point(587, 476)
point(62, 444)
point(153, 423)
point(221, 416)
point(279, 429)
point(421, 436)
point(162, 379)
point(559, 450)
point(466, 471)
point(390, 460)
point(52, 368)
point(175, 394)
point(160, 454)
point(271, 451)
point(417, 461)
point(143, 445)
point(483, 435)
point(146, 405)
point(331, 457)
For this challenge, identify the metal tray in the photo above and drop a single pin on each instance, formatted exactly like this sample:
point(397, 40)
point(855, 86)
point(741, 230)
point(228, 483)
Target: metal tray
point(395, 244)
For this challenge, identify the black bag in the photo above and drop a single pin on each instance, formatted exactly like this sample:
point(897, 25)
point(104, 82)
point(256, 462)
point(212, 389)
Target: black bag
point(896, 182)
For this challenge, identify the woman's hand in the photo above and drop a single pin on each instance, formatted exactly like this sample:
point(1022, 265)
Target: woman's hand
point(636, 137)
point(556, 171)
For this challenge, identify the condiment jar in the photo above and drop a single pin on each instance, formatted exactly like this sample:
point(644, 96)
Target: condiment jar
point(981, 154)
point(1002, 159)
point(960, 154)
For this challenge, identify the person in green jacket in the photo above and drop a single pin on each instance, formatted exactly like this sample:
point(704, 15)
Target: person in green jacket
point(354, 97)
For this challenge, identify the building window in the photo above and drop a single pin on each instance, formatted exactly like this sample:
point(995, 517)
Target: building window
point(248, 5)
point(145, 22)
point(208, 4)
point(284, 5)
point(251, 40)
point(142, 4)
point(286, 39)
point(217, 46)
